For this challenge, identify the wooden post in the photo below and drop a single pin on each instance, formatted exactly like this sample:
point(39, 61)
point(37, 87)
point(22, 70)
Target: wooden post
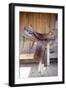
point(48, 53)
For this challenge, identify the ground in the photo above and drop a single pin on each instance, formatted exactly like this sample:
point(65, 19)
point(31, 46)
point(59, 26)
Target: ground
point(31, 70)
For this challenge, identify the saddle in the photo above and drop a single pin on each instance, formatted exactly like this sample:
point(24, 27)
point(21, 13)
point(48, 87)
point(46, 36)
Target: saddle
point(40, 52)
point(39, 36)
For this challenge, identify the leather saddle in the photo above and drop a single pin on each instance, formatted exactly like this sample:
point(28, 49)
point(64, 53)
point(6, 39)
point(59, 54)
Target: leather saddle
point(39, 36)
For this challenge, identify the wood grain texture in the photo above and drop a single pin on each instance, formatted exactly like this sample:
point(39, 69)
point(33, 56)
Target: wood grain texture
point(40, 22)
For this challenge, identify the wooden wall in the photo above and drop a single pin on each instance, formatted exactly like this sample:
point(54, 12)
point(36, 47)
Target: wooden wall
point(41, 22)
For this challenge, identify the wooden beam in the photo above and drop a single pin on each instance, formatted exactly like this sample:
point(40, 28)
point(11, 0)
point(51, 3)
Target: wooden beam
point(26, 56)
